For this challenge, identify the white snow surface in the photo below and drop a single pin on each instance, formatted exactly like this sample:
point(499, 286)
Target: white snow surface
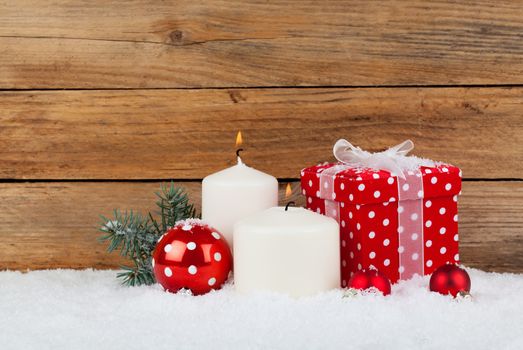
point(67, 309)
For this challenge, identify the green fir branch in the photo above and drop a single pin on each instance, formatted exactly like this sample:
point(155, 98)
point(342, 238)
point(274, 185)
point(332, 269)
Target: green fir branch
point(134, 236)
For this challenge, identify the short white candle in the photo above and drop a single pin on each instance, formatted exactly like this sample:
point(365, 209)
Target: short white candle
point(235, 193)
point(296, 252)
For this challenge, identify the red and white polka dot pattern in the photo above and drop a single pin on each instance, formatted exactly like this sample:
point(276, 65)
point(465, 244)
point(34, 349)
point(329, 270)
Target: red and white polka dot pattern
point(369, 212)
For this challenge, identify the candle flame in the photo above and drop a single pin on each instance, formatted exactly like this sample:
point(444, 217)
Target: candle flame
point(239, 139)
point(288, 191)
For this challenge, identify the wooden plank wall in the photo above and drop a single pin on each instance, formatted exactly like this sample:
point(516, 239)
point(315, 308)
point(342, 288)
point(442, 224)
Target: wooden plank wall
point(100, 101)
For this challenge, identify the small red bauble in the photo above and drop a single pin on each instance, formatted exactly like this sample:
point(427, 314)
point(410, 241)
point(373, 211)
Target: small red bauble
point(364, 280)
point(192, 255)
point(450, 279)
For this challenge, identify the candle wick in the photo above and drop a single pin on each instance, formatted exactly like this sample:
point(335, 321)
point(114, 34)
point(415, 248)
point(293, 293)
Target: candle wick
point(238, 155)
point(287, 206)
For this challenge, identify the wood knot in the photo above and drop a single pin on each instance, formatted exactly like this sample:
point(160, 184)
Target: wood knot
point(176, 36)
point(236, 96)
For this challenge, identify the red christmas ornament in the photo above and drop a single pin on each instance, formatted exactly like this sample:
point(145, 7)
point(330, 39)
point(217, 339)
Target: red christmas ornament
point(450, 279)
point(192, 255)
point(364, 280)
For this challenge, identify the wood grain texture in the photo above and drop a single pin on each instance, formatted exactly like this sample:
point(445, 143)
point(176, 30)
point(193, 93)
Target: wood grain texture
point(51, 225)
point(188, 134)
point(189, 43)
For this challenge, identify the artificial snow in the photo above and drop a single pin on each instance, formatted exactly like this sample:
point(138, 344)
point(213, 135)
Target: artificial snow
point(66, 309)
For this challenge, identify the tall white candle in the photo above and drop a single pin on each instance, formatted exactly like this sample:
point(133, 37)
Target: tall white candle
point(296, 252)
point(235, 193)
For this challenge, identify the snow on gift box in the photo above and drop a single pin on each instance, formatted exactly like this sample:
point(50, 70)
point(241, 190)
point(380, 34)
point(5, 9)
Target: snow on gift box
point(397, 213)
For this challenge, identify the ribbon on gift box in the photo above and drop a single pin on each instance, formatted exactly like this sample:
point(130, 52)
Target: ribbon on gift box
point(410, 185)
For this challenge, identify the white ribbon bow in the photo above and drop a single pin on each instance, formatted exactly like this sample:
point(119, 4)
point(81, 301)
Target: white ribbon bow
point(389, 159)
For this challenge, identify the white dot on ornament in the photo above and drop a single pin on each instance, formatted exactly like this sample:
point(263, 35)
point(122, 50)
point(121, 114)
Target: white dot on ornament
point(448, 187)
point(445, 170)
point(359, 178)
point(342, 223)
point(392, 199)
point(429, 263)
point(386, 262)
point(401, 249)
point(343, 263)
point(377, 194)
point(191, 246)
point(372, 255)
point(351, 255)
point(358, 226)
point(400, 209)
point(434, 180)
point(351, 235)
point(211, 281)
point(455, 198)
point(310, 183)
point(428, 244)
point(442, 230)
point(217, 256)
point(358, 246)
point(386, 222)
point(302, 173)
point(342, 204)
point(428, 171)
point(342, 186)
point(460, 173)
point(359, 266)
point(350, 214)
point(414, 217)
point(351, 197)
point(167, 248)
point(414, 236)
point(168, 272)
point(456, 237)
point(325, 185)
point(385, 204)
point(318, 194)
point(309, 200)
point(371, 214)
point(401, 269)
point(334, 212)
point(420, 194)
point(390, 180)
point(443, 250)
point(442, 211)
point(303, 192)
point(187, 227)
point(400, 229)
point(415, 256)
point(456, 218)
point(376, 176)
point(216, 235)
point(405, 187)
point(428, 223)
point(343, 283)
point(386, 242)
point(358, 207)
point(192, 269)
point(361, 187)
point(372, 234)
point(428, 204)
point(456, 257)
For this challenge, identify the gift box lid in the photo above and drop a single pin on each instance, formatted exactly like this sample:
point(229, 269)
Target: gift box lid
point(344, 183)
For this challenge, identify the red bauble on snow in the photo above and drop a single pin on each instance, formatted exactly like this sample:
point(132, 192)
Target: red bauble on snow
point(192, 255)
point(364, 280)
point(450, 279)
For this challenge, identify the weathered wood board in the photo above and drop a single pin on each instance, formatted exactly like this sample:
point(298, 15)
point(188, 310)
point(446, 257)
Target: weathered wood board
point(187, 134)
point(49, 225)
point(151, 44)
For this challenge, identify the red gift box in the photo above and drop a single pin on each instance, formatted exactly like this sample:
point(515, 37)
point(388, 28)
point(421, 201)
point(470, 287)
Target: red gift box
point(401, 223)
